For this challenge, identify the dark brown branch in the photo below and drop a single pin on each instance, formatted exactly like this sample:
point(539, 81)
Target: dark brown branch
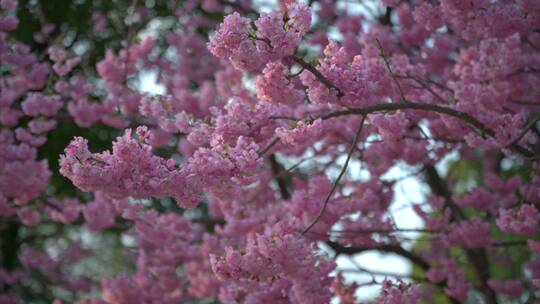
point(438, 186)
point(396, 249)
point(382, 273)
point(525, 130)
point(386, 19)
point(9, 245)
point(277, 171)
point(426, 107)
point(477, 257)
point(381, 107)
point(404, 105)
point(386, 231)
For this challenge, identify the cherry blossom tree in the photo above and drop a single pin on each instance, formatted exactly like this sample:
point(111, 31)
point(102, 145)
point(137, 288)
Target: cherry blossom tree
point(267, 153)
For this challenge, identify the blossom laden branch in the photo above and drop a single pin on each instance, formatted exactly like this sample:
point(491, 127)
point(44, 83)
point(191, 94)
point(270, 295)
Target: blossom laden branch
point(427, 107)
point(477, 257)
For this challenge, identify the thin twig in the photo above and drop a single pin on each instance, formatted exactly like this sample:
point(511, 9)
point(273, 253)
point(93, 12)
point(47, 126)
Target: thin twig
point(270, 145)
point(382, 273)
point(293, 167)
point(129, 40)
point(385, 231)
point(354, 143)
point(387, 64)
point(426, 87)
point(525, 130)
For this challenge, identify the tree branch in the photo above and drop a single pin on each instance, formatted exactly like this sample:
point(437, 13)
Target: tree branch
point(353, 145)
point(426, 107)
point(387, 64)
point(329, 84)
point(277, 170)
point(477, 257)
point(525, 130)
point(396, 249)
point(262, 151)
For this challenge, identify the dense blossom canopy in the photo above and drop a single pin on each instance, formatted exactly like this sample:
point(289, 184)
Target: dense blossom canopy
point(269, 152)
